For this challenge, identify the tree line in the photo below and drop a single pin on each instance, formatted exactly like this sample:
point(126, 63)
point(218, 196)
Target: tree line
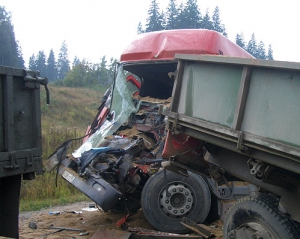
point(255, 49)
point(10, 49)
point(188, 16)
point(83, 73)
point(80, 73)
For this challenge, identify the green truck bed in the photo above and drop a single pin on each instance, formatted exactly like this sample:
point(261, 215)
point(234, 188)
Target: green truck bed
point(246, 105)
point(20, 140)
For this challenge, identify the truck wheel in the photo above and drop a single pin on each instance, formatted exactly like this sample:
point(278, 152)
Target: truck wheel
point(187, 197)
point(258, 217)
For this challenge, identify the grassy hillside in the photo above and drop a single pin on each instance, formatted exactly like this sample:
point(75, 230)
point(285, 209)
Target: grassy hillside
point(70, 107)
point(69, 113)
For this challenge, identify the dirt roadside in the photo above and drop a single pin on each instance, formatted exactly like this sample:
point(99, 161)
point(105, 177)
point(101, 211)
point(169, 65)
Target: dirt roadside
point(79, 216)
point(75, 216)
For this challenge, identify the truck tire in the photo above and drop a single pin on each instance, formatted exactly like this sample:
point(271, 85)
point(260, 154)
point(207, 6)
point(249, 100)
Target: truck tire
point(258, 217)
point(188, 197)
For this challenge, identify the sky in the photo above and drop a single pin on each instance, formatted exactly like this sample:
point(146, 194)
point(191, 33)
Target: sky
point(96, 28)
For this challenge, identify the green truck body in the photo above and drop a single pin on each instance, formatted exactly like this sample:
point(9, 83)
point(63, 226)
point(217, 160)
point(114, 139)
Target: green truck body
point(20, 140)
point(253, 103)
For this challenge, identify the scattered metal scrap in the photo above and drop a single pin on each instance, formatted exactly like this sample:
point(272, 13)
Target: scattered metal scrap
point(139, 233)
point(60, 229)
point(142, 233)
point(67, 229)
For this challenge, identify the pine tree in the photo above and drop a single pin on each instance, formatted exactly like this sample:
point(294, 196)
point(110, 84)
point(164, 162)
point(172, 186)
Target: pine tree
point(206, 22)
point(172, 15)
point(32, 63)
point(51, 67)
point(104, 77)
point(10, 51)
point(155, 21)
point(20, 61)
point(181, 18)
point(76, 61)
point(252, 46)
point(112, 69)
point(63, 63)
point(216, 22)
point(261, 52)
point(270, 53)
point(41, 63)
point(190, 15)
point(239, 40)
point(140, 28)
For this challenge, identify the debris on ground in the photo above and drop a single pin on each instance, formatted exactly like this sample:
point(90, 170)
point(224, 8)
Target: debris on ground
point(89, 222)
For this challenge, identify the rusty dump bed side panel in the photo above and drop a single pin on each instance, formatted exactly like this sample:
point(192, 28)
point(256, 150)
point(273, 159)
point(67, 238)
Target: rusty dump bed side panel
point(162, 45)
point(249, 106)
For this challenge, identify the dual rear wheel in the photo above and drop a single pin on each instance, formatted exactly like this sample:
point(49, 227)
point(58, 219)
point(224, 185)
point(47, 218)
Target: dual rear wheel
point(168, 197)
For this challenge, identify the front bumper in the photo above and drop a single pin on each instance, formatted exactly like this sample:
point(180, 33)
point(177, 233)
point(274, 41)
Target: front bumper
point(97, 189)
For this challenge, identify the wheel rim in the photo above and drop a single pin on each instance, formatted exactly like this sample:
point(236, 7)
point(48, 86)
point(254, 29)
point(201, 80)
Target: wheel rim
point(260, 231)
point(178, 202)
point(251, 230)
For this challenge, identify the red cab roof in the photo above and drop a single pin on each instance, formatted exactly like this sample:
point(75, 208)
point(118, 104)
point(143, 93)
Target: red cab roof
point(162, 45)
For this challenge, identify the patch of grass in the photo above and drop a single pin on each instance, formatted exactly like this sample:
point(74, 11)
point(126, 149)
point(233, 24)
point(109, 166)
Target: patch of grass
point(36, 205)
point(69, 107)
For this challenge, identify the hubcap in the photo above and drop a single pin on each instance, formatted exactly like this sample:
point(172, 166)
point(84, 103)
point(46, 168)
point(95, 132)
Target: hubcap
point(178, 201)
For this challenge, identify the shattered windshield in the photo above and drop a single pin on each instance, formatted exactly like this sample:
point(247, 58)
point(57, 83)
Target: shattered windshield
point(122, 107)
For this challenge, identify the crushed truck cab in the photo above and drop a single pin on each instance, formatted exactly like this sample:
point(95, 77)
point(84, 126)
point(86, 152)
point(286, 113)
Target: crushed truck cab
point(126, 140)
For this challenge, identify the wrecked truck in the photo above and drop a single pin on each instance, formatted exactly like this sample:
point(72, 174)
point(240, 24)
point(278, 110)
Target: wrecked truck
point(124, 144)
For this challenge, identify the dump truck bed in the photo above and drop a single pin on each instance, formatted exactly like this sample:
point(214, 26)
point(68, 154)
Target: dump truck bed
point(246, 105)
point(20, 140)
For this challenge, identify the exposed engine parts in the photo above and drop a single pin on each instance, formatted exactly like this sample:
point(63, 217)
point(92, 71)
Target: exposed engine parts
point(127, 159)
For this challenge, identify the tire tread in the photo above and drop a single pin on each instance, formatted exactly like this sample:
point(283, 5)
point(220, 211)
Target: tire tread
point(270, 204)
